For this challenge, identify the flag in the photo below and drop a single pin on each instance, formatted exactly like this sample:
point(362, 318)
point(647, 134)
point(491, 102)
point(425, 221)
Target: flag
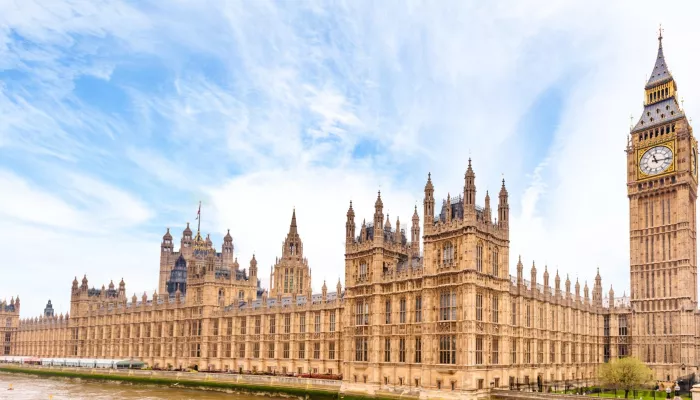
point(198, 210)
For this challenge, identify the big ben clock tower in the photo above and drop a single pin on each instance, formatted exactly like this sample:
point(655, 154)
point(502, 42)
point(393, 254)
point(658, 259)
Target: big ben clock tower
point(662, 184)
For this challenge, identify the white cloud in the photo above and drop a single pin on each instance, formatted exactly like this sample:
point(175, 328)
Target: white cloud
point(294, 89)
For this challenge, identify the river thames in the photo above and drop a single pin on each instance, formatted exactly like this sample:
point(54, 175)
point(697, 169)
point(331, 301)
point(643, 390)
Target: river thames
point(31, 388)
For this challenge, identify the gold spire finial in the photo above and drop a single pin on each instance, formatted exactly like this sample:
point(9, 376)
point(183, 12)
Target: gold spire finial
point(661, 32)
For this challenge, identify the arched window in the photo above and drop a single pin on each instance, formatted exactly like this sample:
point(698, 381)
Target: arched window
point(494, 261)
point(240, 295)
point(448, 254)
point(479, 256)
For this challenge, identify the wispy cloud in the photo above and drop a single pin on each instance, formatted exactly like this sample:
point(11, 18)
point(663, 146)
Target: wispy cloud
point(118, 117)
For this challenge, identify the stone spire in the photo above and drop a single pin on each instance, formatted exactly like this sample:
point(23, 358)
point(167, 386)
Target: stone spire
point(350, 225)
point(660, 73)
point(428, 206)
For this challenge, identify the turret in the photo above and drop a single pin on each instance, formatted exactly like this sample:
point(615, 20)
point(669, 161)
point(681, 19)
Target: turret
point(227, 247)
point(74, 288)
point(122, 289)
point(378, 219)
point(585, 291)
point(397, 233)
point(546, 279)
point(519, 269)
point(350, 226)
point(84, 284)
point(415, 233)
point(611, 297)
point(469, 199)
point(557, 281)
point(167, 245)
point(577, 287)
point(448, 209)
point(428, 206)
point(503, 208)
point(567, 285)
point(533, 277)
point(208, 241)
point(338, 288)
point(487, 207)
point(253, 269)
point(324, 290)
point(186, 241)
point(598, 289)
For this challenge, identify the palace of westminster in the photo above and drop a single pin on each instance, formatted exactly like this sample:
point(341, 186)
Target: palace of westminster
point(449, 318)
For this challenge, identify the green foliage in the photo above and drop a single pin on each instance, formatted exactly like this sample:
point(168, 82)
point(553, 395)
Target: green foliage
point(624, 374)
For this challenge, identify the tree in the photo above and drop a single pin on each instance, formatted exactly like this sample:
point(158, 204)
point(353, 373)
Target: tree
point(625, 373)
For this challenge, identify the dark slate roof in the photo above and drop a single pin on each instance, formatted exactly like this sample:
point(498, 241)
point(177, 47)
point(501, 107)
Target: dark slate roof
point(668, 110)
point(660, 73)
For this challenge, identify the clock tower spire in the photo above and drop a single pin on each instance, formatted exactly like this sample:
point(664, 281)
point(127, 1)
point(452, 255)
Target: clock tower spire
point(662, 190)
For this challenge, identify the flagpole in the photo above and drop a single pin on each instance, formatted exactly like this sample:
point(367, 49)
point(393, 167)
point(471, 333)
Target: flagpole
point(199, 218)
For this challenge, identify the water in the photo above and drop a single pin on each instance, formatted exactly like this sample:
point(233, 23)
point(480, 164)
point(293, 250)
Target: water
point(36, 388)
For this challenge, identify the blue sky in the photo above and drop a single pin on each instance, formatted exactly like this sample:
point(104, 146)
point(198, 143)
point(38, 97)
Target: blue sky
point(118, 117)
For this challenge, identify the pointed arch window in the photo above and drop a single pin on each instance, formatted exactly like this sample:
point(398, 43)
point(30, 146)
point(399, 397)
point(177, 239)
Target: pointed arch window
point(479, 256)
point(494, 261)
point(448, 251)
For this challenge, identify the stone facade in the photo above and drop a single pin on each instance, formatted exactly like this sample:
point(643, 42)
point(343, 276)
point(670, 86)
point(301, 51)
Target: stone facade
point(449, 317)
point(9, 322)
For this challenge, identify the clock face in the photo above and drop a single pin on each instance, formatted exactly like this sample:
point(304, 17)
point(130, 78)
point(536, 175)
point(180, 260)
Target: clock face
point(656, 160)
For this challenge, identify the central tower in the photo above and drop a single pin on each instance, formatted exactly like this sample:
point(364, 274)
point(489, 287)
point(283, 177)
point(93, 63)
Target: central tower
point(662, 189)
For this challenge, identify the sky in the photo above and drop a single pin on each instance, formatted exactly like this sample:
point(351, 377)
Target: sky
point(118, 117)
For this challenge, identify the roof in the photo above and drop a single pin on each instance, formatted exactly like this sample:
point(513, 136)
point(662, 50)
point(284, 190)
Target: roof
point(660, 73)
point(659, 113)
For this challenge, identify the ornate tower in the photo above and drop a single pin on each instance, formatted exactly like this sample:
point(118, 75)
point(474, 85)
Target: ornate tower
point(662, 189)
point(291, 275)
point(166, 260)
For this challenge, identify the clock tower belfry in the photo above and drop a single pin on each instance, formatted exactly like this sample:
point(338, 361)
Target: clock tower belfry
point(662, 190)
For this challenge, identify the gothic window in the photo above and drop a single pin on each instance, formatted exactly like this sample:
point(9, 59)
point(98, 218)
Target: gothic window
point(448, 306)
point(419, 309)
point(448, 254)
point(479, 306)
point(302, 350)
point(331, 351)
point(513, 351)
point(387, 312)
point(513, 313)
point(479, 256)
point(331, 322)
point(494, 351)
point(362, 313)
point(402, 350)
point(494, 262)
point(494, 309)
point(285, 350)
point(448, 349)
point(528, 313)
point(402, 310)
point(302, 324)
point(479, 353)
point(271, 350)
point(361, 348)
point(363, 271)
point(317, 350)
point(419, 348)
point(221, 297)
point(258, 324)
point(317, 323)
point(240, 295)
point(287, 323)
point(273, 324)
point(387, 350)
